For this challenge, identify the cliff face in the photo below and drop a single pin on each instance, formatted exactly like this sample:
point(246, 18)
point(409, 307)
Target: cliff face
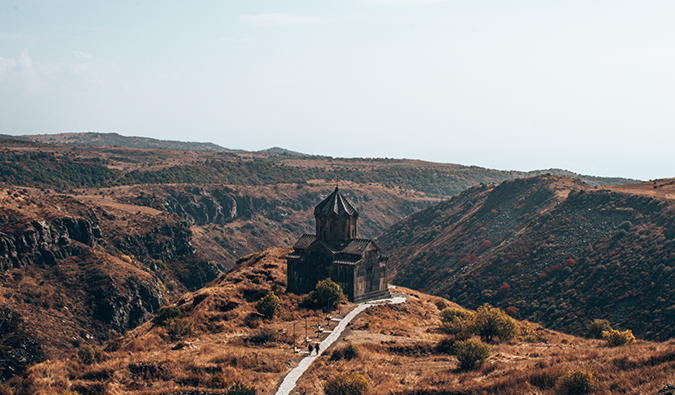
point(44, 243)
point(72, 272)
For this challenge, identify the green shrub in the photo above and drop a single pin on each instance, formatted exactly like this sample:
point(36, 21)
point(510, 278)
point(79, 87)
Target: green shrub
point(346, 384)
point(595, 329)
point(491, 322)
point(268, 305)
point(577, 382)
point(455, 320)
point(88, 355)
point(471, 353)
point(241, 389)
point(166, 315)
point(616, 338)
point(326, 295)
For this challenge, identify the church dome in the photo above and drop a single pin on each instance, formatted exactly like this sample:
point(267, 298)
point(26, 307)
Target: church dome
point(336, 204)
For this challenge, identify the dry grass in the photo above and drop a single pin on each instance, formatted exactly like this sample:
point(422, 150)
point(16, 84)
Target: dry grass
point(397, 343)
point(407, 364)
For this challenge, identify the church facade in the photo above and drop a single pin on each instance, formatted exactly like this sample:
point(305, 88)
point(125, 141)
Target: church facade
point(336, 252)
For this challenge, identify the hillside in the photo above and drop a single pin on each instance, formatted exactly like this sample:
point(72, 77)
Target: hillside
point(111, 159)
point(73, 271)
point(117, 140)
point(557, 251)
point(219, 341)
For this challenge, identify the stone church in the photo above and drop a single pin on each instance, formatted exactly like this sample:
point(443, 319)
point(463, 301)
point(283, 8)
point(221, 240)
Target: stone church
point(336, 252)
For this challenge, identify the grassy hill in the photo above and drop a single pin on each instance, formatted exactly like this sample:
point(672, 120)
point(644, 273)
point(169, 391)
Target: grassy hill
point(556, 250)
point(219, 341)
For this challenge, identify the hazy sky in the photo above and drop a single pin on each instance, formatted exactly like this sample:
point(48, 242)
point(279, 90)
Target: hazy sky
point(587, 86)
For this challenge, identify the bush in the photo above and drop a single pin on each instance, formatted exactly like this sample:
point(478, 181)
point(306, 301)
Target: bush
point(166, 315)
point(326, 295)
point(268, 306)
point(491, 322)
point(530, 335)
point(577, 382)
point(595, 329)
point(471, 353)
point(440, 305)
point(456, 320)
point(616, 338)
point(241, 389)
point(346, 384)
point(262, 336)
point(217, 381)
point(347, 352)
point(88, 355)
point(180, 328)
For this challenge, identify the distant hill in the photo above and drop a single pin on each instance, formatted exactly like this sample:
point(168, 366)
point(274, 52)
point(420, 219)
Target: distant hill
point(117, 140)
point(105, 159)
point(559, 251)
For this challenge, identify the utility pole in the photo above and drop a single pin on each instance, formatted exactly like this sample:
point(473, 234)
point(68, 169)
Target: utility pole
point(306, 338)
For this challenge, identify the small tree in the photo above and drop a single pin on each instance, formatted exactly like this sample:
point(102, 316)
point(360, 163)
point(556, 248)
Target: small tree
point(595, 329)
point(326, 295)
point(491, 322)
point(268, 305)
point(346, 384)
point(471, 353)
point(577, 382)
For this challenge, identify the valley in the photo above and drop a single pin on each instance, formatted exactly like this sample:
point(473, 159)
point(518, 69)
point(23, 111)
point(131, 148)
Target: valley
point(97, 239)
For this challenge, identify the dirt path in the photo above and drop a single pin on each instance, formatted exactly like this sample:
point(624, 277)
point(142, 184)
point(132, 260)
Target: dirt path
point(292, 377)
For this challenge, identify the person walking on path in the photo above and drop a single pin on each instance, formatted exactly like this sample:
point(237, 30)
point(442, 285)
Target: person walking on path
point(310, 349)
point(317, 348)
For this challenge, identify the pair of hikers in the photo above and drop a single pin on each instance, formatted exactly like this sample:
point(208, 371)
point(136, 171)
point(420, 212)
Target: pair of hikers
point(312, 348)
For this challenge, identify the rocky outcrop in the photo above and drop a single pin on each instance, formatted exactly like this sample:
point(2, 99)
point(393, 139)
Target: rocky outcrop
point(19, 349)
point(219, 206)
point(165, 242)
point(44, 243)
point(125, 306)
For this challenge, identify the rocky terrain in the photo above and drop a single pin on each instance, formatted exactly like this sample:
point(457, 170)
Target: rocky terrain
point(557, 251)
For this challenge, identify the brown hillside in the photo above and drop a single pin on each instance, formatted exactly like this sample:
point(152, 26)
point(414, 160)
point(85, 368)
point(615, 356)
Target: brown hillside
point(559, 251)
point(399, 350)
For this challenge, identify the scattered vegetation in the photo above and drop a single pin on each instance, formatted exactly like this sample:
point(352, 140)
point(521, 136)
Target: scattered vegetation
point(616, 338)
point(471, 353)
point(596, 328)
point(492, 322)
point(346, 384)
point(88, 355)
point(577, 382)
point(347, 352)
point(326, 295)
point(268, 306)
point(456, 320)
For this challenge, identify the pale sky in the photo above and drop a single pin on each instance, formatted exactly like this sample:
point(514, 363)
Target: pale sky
point(587, 86)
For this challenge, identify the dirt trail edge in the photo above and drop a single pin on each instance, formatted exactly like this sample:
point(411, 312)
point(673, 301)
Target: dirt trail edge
point(289, 381)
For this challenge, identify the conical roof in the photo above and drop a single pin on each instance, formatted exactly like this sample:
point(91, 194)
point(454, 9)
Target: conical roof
point(336, 204)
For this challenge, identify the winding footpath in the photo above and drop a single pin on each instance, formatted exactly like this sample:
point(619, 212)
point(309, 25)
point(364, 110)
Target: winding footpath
point(291, 379)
